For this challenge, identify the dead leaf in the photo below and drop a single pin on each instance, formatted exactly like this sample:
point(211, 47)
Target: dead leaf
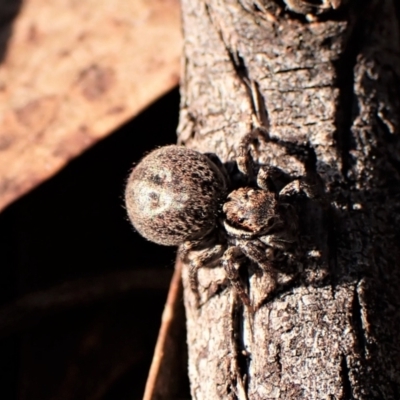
point(71, 73)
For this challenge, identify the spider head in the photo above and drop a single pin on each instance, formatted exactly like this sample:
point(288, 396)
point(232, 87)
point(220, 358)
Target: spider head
point(174, 194)
point(249, 210)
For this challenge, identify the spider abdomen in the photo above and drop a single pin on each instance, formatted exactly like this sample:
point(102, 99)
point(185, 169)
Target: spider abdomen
point(174, 194)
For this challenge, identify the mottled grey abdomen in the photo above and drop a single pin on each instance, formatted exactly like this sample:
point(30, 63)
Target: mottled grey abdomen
point(174, 194)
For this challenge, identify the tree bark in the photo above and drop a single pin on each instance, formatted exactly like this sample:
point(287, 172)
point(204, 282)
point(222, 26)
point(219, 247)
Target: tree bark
point(328, 86)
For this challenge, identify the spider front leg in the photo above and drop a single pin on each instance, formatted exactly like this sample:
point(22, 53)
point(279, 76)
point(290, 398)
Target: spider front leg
point(261, 254)
point(245, 160)
point(231, 261)
point(271, 178)
point(302, 187)
point(266, 177)
point(270, 261)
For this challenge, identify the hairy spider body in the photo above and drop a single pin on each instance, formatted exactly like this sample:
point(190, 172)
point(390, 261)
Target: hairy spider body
point(176, 196)
point(255, 224)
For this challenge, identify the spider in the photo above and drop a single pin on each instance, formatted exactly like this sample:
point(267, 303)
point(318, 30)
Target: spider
point(177, 196)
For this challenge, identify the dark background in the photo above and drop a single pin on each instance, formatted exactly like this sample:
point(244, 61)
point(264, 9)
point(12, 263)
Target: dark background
point(58, 340)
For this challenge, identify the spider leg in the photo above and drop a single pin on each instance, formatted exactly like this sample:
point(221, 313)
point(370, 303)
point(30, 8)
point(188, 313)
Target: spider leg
point(231, 262)
point(271, 178)
point(245, 160)
point(260, 254)
point(207, 257)
point(301, 187)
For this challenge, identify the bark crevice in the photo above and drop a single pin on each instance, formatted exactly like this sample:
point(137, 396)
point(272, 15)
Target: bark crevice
point(347, 392)
point(346, 105)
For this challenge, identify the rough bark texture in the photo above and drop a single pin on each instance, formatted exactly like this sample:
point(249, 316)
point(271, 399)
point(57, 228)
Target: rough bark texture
point(329, 87)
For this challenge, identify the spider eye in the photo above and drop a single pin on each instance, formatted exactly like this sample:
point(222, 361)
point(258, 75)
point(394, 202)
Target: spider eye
point(240, 220)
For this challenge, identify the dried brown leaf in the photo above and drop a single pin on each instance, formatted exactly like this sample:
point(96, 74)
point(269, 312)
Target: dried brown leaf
point(74, 71)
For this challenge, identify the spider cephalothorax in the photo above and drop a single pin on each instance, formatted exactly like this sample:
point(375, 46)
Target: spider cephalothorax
point(177, 196)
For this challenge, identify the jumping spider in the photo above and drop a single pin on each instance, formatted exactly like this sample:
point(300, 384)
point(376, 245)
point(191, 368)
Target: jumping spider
point(177, 196)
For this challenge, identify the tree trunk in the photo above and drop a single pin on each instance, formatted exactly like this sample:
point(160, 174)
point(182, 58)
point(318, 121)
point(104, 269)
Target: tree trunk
point(327, 88)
